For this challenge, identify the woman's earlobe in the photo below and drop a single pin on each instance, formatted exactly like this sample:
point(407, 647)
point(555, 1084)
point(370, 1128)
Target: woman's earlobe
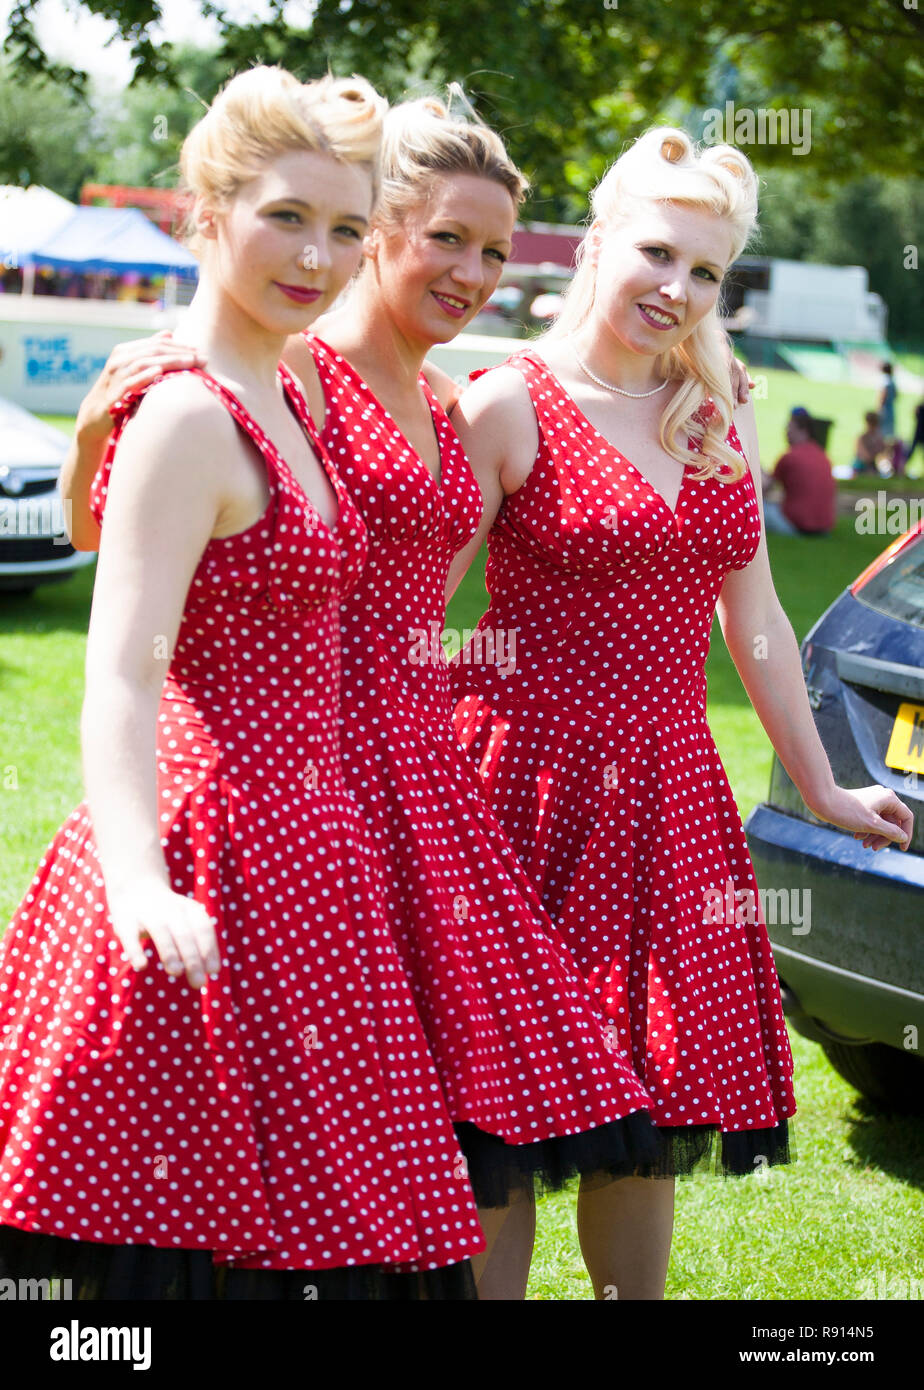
point(594, 237)
point(204, 220)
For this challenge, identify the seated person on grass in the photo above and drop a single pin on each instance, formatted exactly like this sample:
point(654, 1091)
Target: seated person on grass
point(808, 506)
point(870, 445)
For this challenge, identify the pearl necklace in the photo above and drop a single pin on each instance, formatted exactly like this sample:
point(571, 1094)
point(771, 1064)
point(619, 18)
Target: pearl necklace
point(607, 386)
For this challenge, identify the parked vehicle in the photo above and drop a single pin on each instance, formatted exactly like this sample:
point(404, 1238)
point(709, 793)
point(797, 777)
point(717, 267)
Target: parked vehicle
point(851, 956)
point(34, 548)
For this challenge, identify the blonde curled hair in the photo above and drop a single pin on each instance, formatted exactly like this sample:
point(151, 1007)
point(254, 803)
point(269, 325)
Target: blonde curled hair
point(664, 166)
point(265, 112)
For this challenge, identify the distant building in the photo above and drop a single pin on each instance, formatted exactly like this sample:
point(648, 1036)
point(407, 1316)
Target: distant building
point(805, 302)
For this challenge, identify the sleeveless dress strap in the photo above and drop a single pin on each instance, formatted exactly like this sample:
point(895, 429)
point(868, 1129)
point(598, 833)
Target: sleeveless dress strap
point(533, 372)
point(287, 496)
point(123, 409)
point(334, 365)
point(450, 445)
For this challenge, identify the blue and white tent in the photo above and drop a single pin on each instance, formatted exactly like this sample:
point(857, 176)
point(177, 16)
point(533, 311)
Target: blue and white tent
point(29, 216)
point(116, 239)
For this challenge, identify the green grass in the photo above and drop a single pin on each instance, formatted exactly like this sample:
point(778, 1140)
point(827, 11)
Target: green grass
point(42, 642)
point(850, 1208)
point(61, 422)
point(909, 356)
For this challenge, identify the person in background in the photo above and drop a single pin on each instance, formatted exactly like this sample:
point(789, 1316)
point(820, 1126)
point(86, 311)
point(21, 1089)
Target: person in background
point(918, 437)
point(870, 444)
point(147, 292)
point(809, 491)
point(887, 397)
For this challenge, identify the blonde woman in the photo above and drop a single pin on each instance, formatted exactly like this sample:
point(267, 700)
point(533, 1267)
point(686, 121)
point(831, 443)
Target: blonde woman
point(252, 1089)
point(622, 507)
point(532, 1078)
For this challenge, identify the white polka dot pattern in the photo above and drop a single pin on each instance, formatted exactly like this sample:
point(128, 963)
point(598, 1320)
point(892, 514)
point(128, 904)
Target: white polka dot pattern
point(521, 1050)
point(289, 1115)
point(601, 767)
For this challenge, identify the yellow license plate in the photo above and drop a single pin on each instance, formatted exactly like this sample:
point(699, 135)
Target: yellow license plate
point(906, 746)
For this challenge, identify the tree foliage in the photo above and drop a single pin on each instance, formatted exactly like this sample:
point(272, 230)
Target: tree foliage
point(872, 221)
point(46, 134)
point(567, 78)
point(566, 82)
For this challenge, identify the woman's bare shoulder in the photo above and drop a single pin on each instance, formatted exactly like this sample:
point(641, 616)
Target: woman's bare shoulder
point(444, 387)
point(180, 423)
point(496, 393)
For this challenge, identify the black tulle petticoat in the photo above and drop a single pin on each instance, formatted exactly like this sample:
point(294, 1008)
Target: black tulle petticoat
point(499, 1172)
point(631, 1147)
point(689, 1149)
point(90, 1270)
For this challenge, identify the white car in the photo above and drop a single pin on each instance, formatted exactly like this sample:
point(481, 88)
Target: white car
point(34, 548)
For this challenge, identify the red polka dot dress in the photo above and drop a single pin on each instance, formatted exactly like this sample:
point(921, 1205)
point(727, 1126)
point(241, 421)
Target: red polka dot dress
point(602, 769)
point(532, 1077)
point(288, 1117)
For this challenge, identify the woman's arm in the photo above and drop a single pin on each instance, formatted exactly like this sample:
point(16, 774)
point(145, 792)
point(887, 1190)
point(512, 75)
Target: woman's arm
point(764, 649)
point(128, 366)
point(166, 495)
point(446, 390)
point(496, 423)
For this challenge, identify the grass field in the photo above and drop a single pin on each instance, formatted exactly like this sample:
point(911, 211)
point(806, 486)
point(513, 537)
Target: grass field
point(844, 1222)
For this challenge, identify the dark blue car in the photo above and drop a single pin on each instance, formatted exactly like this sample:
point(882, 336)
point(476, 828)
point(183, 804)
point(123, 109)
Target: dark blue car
point(850, 955)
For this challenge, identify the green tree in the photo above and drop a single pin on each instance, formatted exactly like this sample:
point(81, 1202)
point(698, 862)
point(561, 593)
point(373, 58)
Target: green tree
point(142, 129)
point(873, 221)
point(571, 79)
point(36, 115)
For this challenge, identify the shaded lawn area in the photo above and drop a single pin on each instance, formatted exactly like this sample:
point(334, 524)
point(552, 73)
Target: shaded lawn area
point(849, 1210)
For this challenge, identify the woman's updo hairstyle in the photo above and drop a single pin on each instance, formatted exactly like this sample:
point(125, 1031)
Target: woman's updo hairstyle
point(422, 138)
point(266, 112)
point(664, 166)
